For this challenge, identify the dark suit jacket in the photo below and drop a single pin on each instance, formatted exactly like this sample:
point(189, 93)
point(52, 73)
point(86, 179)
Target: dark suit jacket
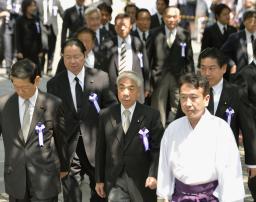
point(95, 81)
point(154, 22)
point(147, 44)
point(212, 36)
point(27, 160)
point(118, 152)
point(241, 119)
point(235, 48)
point(71, 22)
point(246, 80)
point(112, 30)
point(111, 54)
point(164, 59)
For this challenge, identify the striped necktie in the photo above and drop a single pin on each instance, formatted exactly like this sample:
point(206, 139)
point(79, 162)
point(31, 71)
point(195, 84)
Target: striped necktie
point(122, 65)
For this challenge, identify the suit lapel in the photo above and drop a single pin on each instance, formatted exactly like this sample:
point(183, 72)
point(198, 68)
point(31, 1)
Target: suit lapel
point(88, 86)
point(223, 102)
point(14, 116)
point(244, 45)
point(117, 124)
point(65, 85)
point(133, 130)
point(39, 110)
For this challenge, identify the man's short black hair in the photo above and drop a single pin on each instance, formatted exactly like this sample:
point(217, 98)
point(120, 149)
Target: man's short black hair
point(75, 42)
point(196, 80)
point(105, 7)
point(213, 53)
point(142, 10)
point(249, 13)
point(218, 8)
point(24, 69)
point(86, 30)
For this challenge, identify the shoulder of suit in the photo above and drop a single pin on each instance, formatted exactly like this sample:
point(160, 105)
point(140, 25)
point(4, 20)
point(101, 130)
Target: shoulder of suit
point(95, 72)
point(110, 110)
point(49, 98)
point(146, 108)
point(4, 98)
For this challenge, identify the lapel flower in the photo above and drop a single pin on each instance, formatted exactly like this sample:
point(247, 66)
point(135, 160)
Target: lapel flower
point(229, 114)
point(40, 132)
point(144, 134)
point(183, 47)
point(94, 99)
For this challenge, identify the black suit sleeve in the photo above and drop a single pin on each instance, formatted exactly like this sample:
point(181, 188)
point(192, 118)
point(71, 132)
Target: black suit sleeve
point(60, 137)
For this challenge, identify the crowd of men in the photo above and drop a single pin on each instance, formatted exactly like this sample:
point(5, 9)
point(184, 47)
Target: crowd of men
point(127, 106)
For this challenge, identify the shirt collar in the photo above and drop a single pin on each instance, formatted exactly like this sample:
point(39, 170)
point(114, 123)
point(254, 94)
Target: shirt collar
point(218, 87)
point(80, 76)
point(221, 26)
point(131, 109)
point(167, 31)
point(140, 32)
point(128, 40)
point(32, 100)
point(248, 34)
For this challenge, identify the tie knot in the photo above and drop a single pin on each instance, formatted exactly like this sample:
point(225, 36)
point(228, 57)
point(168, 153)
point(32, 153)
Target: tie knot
point(26, 103)
point(127, 113)
point(77, 79)
point(252, 37)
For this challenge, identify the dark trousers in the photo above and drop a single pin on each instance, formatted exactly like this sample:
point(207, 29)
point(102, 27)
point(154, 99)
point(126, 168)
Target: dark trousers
point(252, 187)
point(80, 166)
point(30, 196)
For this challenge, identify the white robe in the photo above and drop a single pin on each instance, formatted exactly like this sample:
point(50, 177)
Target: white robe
point(200, 155)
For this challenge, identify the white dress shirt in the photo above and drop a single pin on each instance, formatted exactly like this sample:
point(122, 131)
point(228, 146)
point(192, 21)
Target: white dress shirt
point(90, 60)
point(200, 155)
point(221, 27)
point(128, 57)
point(72, 83)
point(249, 45)
point(32, 103)
point(217, 89)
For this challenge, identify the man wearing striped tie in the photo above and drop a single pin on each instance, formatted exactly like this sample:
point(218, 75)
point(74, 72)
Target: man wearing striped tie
point(125, 53)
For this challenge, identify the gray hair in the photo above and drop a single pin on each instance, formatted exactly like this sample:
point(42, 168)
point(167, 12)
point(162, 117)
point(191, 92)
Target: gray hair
point(130, 75)
point(91, 10)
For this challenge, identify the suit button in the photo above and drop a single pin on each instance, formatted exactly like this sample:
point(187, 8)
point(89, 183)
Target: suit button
point(9, 170)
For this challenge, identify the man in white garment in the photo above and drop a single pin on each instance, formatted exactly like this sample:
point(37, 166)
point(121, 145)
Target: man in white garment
point(199, 159)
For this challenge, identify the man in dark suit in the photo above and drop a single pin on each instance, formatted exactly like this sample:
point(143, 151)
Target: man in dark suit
point(106, 12)
point(84, 92)
point(229, 105)
point(32, 126)
point(132, 56)
point(93, 21)
point(245, 79)
point(128, 146)
point(238, 47)
point(157, 19)
point(215, 35)
point(142, 30)
point(73, 19)
point(170, 55)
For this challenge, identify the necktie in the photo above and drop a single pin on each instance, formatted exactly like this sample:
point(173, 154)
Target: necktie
point(26, 120)
point(211, 102)
point(225, 31)
point(122, 64)
point(127, 122)
point(79, 95)
point(170, 39)
point(162, 21)
point(104, 28)
point(252, 38)
point(80, 13)
point(144, 36)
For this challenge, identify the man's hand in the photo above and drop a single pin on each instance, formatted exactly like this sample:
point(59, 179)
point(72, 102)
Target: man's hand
point(151, 183)
point(252, 172)
point(19, 56)
point(63, 174)
point(100, 190)
point(233, 69)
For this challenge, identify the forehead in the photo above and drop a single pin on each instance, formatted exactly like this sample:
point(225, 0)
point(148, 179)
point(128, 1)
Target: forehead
point(84, 35)
point(209, 61)
point(123, 21)
point(72, 48)
point(127, 82)
point(94, 14)
point(188, 88)
point(172, 12)
point(18, 81)
point(143, 14)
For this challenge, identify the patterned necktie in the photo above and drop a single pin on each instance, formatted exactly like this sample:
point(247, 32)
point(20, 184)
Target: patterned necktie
point(127, 121)
point(26, 120)
point(79, 95)
point(123, 61)
point(211, 102)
